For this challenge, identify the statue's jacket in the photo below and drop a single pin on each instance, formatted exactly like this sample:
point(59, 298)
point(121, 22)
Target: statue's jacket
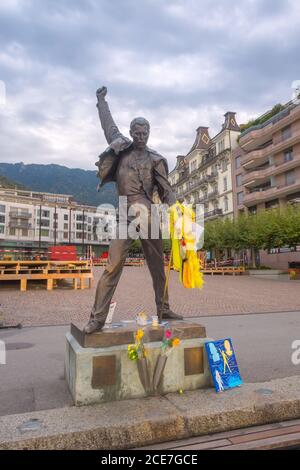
point(152, 171)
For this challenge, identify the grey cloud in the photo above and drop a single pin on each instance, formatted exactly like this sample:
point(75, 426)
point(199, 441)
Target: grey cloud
point(72, 47)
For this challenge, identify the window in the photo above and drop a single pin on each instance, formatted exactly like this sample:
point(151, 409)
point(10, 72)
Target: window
point(89, 220)
point(221, 146)
point(43, 223)
point(238, 162)
point(79, 226)
point(44, 233)
point(240, 198)
point(12, 231)
point(239, 180)
point(1, 228)
point(290, 177)
point(252, 210)
point(193, 165)
point(224, 165)
point(66, 217)
point(66, 226)
point(2, 219)
point(66, 235)
point(225, 184)
point(288, 155)
point(44, 213)
point(226, 204)
point(272, 204)
point(286, 133)
point(79, 217)
point(2, 208)
point(24, 232)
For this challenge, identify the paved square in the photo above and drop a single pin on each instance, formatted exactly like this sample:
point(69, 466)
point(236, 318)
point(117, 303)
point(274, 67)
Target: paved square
point(221, 295)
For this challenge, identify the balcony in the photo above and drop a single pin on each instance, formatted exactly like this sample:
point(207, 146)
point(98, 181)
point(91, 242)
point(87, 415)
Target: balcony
point(258, 157)
point(20, 215)
point(213, 214)
point(263, 195)
point(260, 176)
point(258, 135)
point(213, 194)
point(21, 225)
point(211, 177)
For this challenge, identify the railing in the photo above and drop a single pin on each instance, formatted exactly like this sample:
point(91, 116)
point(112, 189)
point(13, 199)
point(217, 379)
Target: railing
point(20, 225)
point(277, 117)
point(213, 194)
point(213, 213)
point(20, 215)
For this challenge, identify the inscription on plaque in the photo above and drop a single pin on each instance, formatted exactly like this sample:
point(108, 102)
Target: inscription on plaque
point(104, 371)
point(193, 361)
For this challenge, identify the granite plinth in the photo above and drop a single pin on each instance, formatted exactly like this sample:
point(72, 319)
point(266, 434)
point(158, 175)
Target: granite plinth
point(98, 368)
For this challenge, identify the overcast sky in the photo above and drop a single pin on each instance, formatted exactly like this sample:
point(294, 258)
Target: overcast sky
point(180, 64)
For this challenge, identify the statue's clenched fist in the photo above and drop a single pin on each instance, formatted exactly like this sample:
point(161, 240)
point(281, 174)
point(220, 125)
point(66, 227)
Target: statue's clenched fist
point(101, 92)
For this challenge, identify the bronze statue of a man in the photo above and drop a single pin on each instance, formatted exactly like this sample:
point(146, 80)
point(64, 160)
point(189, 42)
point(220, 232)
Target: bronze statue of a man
point(137, 170)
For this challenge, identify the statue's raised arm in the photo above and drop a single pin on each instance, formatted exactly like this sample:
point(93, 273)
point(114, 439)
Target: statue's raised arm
point(109, 126)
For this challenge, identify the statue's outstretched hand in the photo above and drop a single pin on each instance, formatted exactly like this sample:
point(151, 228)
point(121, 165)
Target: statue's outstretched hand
point(101, 92)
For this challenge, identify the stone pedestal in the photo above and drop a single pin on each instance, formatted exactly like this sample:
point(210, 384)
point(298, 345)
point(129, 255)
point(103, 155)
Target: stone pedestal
point(98, 369)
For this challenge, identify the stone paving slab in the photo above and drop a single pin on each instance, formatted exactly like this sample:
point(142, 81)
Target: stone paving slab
point(221, 295)
point(143, 422)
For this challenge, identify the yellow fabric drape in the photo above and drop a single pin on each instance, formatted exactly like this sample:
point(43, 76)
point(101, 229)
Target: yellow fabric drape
point(185, 258)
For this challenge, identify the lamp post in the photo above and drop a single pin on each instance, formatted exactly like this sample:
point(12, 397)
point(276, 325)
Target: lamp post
point(83, 233)
point(40, 229)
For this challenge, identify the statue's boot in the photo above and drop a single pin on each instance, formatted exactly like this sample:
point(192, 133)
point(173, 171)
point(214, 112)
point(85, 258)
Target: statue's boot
point(93, 326)
point(170, 315)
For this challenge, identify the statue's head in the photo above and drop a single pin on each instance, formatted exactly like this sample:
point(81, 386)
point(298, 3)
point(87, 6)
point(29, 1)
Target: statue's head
point(139, 131)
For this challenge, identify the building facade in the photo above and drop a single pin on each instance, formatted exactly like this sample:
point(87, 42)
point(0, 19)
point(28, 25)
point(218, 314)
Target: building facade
point(30, 222)
point(204, 175)
point(266, 170)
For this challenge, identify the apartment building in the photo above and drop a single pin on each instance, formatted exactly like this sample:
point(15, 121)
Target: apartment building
point(266, 169)
point(33, 221)
point(204, 175)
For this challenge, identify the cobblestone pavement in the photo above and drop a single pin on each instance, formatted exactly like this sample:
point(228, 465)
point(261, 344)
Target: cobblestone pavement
point(221, 295)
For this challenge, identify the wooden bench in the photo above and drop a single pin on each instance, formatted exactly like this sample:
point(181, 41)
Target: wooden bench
point(231, 270)
point(51, 271)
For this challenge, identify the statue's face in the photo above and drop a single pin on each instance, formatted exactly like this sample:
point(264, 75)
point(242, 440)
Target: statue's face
point(140, 136)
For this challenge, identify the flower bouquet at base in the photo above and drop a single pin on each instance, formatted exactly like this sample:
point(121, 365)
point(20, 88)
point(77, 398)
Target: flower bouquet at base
point(170, 341)
point(138, 353)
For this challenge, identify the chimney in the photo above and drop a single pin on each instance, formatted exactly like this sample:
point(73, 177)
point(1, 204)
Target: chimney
point(230, 122)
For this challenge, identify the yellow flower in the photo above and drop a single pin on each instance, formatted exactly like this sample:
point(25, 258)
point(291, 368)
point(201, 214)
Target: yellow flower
point(176, 342)
point(139, 335)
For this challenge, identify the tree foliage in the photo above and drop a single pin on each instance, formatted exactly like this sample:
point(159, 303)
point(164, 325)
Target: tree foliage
point(273, 228)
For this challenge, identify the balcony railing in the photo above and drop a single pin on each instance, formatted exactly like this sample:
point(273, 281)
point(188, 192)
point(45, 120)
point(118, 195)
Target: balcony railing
point(213, 194)
point(20, 215)
point(213, 213)
point(22, 225)
point(275, 123)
